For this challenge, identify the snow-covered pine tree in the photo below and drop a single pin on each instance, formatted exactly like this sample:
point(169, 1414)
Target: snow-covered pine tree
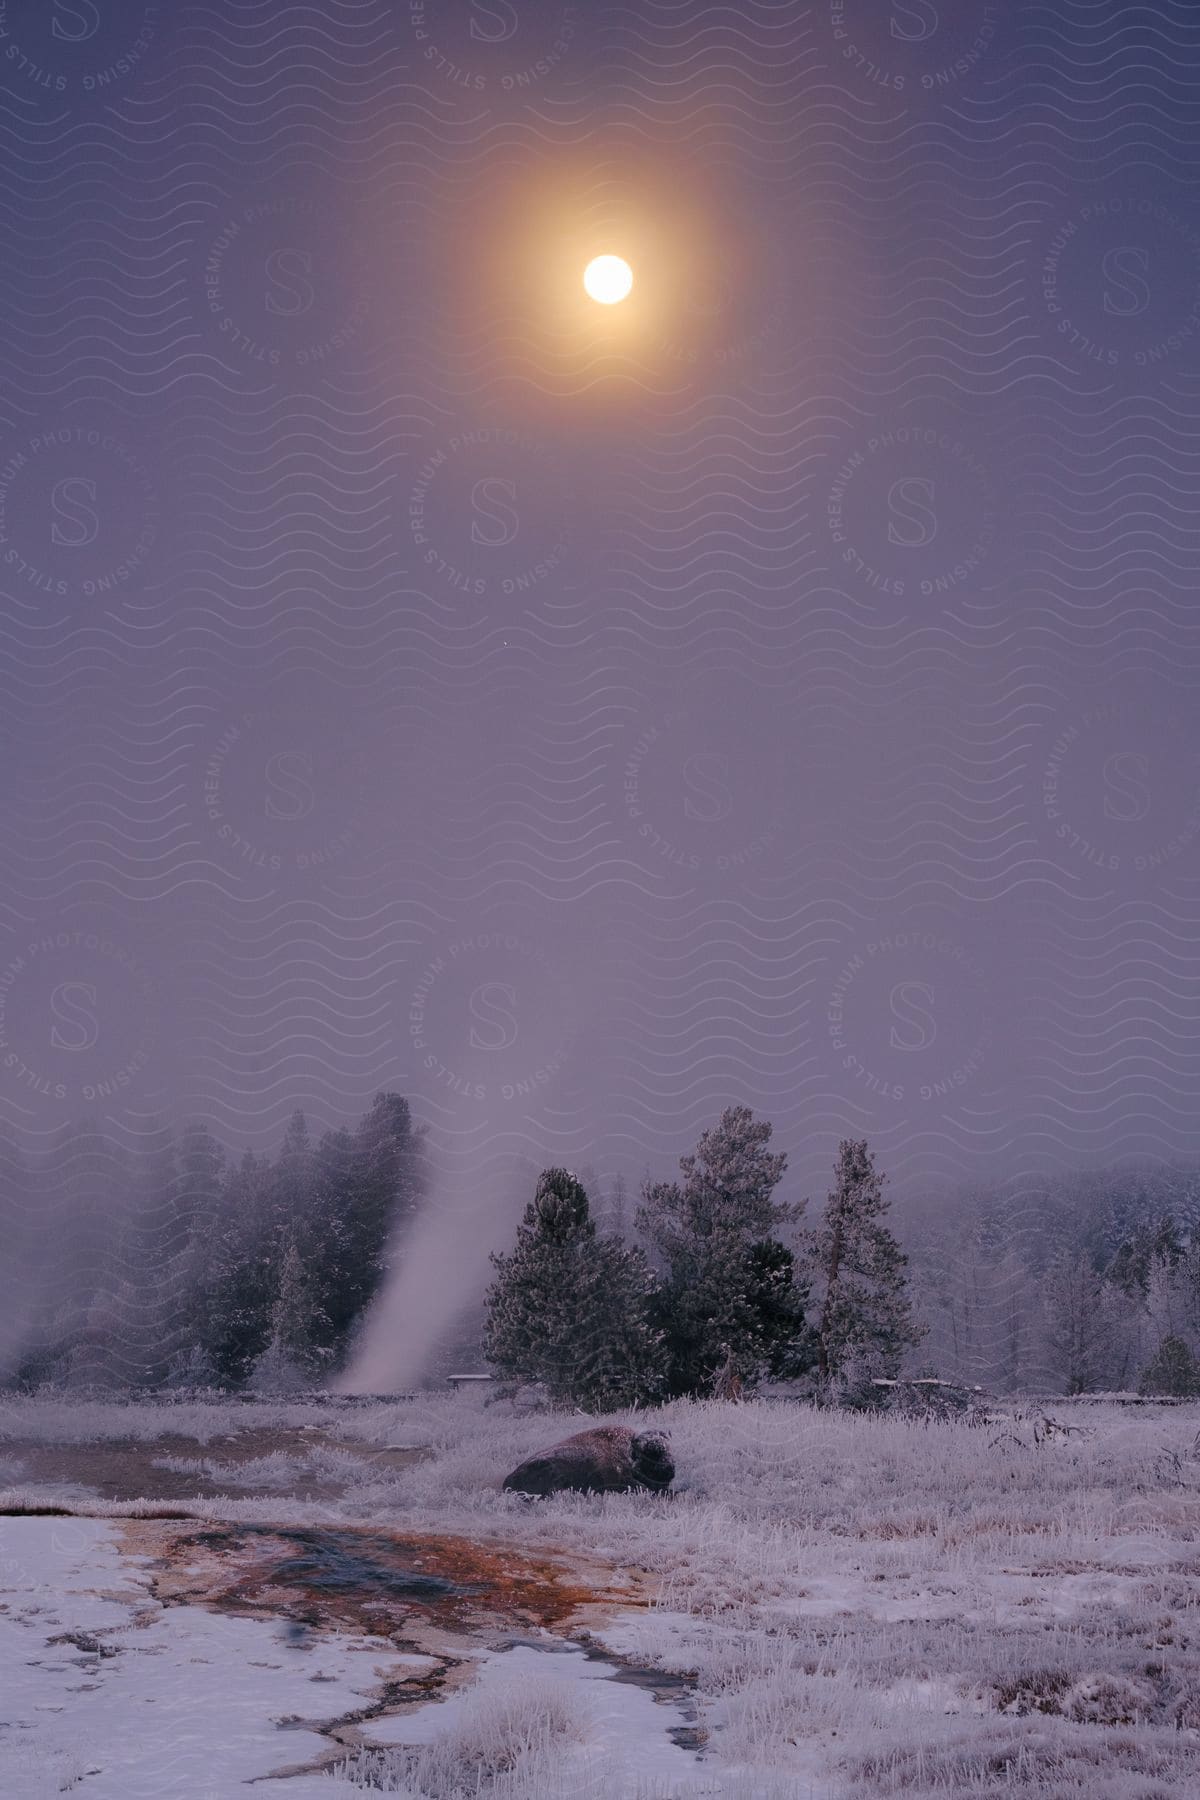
point(1154, 1244)
point(623, 1360)
point(196, 1199)
point(366, 1190)
point(294, 1181)
point(1147, 1291)
point(150, 1293)
point(864, 1316)
point(1172, 1370)
point(241, 1282)
point(388, 1152)
point(729, 1304)
point(774, 1297)
point(1079, 1323)
point(1190, 1276)
point(297, 1323)
point(571, 1309)
point(534, 1305)
point(330, 1244)
point(618, 1207)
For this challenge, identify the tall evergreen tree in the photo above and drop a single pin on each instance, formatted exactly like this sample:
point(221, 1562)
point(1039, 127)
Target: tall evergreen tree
point(1078, 1323)
point(1189, 1277)
point(328, 1248)
point(242, 1279)
point(772, 1317)
point(387, 1187)
point(625, 1364)
point(297, 1324)
point(729, 1304)
point(864, 1316)
point(1152, 1241)
point(150, 1295)
point(618, 1207)
point(293, 1182)
point(197, 1197)
point(571, 1309)
point(367, 1187)
point(1172, 1370)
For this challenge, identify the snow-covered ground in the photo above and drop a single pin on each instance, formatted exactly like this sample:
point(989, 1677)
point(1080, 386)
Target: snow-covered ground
point(861, 1608)
point(107, 1693)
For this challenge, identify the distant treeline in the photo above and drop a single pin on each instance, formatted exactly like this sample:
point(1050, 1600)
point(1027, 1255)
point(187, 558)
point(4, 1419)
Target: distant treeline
point(176, 1264)
point(1083, 1283)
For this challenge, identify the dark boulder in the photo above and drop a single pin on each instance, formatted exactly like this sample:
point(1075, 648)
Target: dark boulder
point(610, 1459)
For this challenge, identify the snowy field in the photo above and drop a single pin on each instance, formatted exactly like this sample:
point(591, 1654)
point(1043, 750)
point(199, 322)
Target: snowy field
point(827, 1607)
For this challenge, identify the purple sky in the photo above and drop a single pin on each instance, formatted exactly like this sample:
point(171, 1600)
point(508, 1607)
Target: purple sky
point(778, 689)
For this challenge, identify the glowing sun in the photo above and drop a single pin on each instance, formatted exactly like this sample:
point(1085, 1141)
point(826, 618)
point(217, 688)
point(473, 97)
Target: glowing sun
point(608, 279)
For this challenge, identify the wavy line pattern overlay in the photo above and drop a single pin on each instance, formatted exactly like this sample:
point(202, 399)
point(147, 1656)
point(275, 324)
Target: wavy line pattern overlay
point(779, 689)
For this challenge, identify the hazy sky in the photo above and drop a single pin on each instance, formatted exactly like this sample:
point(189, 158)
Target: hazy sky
point(780, 688)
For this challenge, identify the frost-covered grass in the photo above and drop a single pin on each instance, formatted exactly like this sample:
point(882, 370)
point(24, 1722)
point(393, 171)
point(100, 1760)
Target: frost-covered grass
point(540, 1776)
point(510, 1730)
point(867, 1606)
point(277, 1471)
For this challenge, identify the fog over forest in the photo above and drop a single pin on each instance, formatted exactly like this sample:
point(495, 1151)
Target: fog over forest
point(599, 899)
point(772, 689)
point(345, 1260)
